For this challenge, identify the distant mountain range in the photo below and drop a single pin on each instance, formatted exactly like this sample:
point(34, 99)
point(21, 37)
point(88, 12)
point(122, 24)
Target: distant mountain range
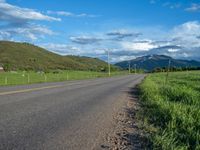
point(151, 62)
point(24, 56)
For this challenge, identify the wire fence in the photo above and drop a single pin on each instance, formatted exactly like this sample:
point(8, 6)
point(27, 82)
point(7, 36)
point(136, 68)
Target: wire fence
point(17, 78)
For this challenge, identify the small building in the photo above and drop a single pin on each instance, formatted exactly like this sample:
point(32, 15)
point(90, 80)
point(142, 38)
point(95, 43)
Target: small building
point(1, 69)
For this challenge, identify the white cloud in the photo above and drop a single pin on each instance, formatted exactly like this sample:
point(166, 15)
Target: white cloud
point(173, 50)
point(69, 14)
point(122, 58)
point(30, 32)
point(138, 45)
point(16, 14)
point(61, 13)
point(187, 34)
point(193, 8)
point(18, 23)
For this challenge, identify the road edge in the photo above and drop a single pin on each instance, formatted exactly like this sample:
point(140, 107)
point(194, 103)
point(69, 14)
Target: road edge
point(127, 133)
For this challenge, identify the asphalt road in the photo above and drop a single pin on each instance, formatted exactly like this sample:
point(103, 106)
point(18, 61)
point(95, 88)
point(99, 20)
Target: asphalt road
point(64, 115)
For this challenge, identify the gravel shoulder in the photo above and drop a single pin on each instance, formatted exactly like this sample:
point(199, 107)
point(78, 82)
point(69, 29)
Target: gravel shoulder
point(126, 133)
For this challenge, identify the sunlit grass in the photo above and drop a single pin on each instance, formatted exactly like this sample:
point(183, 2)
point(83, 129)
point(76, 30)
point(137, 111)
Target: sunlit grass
point(173, 108)
point(20, 77)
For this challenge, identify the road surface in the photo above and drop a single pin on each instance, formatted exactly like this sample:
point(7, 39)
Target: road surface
point(64, 115)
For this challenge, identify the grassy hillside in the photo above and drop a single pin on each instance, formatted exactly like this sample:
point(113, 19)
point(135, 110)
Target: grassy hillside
point(93, 64)
point(24, 56)
point(171, 111)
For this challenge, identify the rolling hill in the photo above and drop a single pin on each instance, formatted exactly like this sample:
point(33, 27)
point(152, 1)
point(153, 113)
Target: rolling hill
point(24, 56)
point(151, 62)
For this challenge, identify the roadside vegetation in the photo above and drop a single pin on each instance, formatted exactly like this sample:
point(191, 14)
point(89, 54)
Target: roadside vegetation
point(29, 77)
point(171, 110)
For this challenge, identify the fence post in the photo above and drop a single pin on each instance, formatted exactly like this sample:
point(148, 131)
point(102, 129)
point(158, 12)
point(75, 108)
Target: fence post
point(67, 76)
point(28, 78)
point(168, 70)
point(6, 80)
point(57, 76)
point(45, 78)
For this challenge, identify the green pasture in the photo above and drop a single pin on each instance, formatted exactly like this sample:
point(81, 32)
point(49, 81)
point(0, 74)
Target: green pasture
point(171, 110)
point(22, 77)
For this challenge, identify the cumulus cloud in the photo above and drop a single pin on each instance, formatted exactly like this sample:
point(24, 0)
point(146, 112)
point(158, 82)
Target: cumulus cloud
point(29, 32)
point(13, 13)
point(138, 45)
point(176, 52)
point(187, 34)
point(17, 22)
point(85, 40)
point(193, 8)
point(69, 14)
point(122, 58)
point(181, 42)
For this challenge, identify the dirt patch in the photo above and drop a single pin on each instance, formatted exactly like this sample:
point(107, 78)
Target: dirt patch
point(127, 134)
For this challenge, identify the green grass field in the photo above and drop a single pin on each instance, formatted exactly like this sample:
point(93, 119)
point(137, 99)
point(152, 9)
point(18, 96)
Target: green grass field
point(19, 78)
point(171, 111)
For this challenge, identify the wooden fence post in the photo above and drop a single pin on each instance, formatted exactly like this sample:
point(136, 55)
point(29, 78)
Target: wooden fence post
point(6, 80)
point(28, 78)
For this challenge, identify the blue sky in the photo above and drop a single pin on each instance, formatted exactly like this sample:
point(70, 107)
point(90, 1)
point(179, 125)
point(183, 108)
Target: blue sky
point(127, 28)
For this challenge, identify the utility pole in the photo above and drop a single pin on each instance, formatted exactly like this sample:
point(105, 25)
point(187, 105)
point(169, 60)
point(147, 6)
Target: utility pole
point(169, 64)
point(129, 67)
point(135, 68)
point(108, 63)
point(187, 70)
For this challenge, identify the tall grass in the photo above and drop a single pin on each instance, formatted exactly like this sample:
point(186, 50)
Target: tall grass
point(173, 109)
point(20, 77)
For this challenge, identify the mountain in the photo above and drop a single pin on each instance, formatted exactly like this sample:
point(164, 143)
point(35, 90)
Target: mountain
point(24, 56)
point(151, 62)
